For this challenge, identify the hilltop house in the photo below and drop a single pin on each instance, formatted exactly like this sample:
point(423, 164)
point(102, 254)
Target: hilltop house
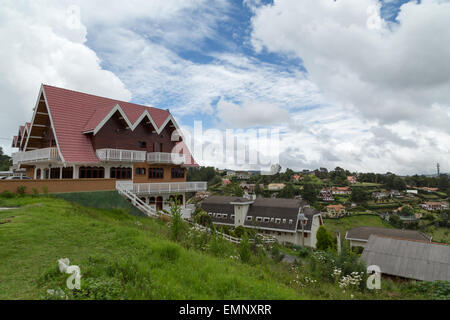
point(435, 205)
point(359, 236)
point(275, 217)
point(352, 179)
point(336, 210)
point(341, 190)
point(78, 136)
point(325, 195)
point(275, 186)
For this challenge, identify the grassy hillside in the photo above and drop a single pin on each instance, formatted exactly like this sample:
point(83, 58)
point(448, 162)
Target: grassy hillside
point(346, 223)
point(128, 257)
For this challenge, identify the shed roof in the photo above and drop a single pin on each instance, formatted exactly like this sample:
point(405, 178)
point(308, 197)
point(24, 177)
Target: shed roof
point(411, 259)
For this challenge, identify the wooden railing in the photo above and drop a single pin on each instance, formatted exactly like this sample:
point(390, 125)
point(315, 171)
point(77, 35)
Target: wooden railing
point(121, 155)
point(46, 154)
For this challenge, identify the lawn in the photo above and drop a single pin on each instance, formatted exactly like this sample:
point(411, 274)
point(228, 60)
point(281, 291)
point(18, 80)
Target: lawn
point(346, 223)
point(120, 256)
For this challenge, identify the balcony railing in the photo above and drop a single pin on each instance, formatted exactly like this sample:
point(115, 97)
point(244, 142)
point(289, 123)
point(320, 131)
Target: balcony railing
point(170, 187)
point(46, 154)
point(165, 157)
point(121, 155)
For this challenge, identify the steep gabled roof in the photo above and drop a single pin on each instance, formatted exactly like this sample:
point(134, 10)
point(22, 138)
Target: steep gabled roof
point(75, 113)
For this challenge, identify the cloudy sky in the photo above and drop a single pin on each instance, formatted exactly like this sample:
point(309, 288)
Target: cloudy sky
point(361, 84)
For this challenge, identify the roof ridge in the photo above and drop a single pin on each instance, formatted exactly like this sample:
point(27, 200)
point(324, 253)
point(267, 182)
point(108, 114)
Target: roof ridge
point(413, 240)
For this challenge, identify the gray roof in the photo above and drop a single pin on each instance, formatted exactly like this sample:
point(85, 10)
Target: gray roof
point(411, 259)
point(363, 233)
point(261, 207)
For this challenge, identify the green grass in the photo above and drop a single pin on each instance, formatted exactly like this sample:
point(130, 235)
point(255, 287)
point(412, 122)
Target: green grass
point(100, 200)
point(120, 256)
point(439, 234)
point(346, 223)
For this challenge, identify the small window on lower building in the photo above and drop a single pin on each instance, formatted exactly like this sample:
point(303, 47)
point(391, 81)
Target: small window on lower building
point(140, 171)
point(249, 218)
point(142, 144)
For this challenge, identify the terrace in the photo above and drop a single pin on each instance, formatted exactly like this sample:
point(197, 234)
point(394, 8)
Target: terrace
point(38, 155)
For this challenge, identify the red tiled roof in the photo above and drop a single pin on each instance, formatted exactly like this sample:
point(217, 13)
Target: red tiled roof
point(75, 112)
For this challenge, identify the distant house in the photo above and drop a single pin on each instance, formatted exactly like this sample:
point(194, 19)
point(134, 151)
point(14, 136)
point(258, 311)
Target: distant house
point(325, 195)
point(379, 195)
point(359, 236)
point(200, 195)
point(435, 205)
point(410, 259)
point(248, 187)
point(429, 189)
point(411, 191)
point(231, 173)
point(395, 193)
point(242, 175)
point(296, 178)
point(351, 179)
point(275, 186)
point(226, 182)
point(336, 210)
point(341, 190)
point(274, 217)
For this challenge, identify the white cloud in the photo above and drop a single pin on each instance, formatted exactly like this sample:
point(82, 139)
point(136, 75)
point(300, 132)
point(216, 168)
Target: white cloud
point(41, 47)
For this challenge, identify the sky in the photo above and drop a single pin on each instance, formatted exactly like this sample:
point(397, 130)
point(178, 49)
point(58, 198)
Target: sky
point(360, 84)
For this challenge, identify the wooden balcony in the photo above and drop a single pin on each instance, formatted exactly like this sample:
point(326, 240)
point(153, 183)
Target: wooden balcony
point(121, 155)
point(165, 157)
point(38, 155)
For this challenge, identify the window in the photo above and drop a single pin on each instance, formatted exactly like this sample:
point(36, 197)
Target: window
point(121, 173)
point(249, 218)
point(91, 172)
point(277, 220)
point(160, 149)
point(140, 171)
point(155, 173)
point(272, 219)
point(258, 219)
point(266, 219)
point(141, 144)
point(284, 220)
point(232, 216)
point(54, 173)
point(67, 173)
point(177, 173)
point(290, 221)
point(38, 173)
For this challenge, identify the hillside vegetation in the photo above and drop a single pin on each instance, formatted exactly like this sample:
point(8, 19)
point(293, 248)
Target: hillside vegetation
point(122, 256)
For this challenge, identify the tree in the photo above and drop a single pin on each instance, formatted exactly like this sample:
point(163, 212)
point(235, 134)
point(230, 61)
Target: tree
point(309, 192)
point(258, 189)
point(237, 191)
point(407, 211)
point(5, 161)
point(178, 226)
point(203, 218)
point(325, 239)
point(359, 195)
point(288, 192)
point(443, 182)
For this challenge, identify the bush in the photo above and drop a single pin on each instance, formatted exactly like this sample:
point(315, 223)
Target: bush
point(45, 190)
point(276, 254)
point(7, 194)
point(244, 249)
point(325, 239)
point(178, 226)
point(239, 231)
point(203, 218)
point(21, 190)
point(35, 192)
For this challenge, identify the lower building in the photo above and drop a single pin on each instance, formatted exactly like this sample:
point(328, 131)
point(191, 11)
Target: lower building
point(280, 218)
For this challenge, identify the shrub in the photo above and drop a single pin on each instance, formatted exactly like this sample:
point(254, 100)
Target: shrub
point(178, 226)
point(276, 254)
point(7, 194)
point(45, 190)
point(244, 249)
point(35, 192)
point(325, 239)
point(203, 218)
point(21, 190)
point(239, 231)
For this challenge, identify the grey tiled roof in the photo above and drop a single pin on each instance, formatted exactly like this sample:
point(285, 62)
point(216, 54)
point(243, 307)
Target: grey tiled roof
point(363, 233)
point(411, 259)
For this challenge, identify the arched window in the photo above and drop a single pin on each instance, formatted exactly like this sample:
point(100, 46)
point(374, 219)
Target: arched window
point(152, 200)
point(46, 173)
point(38, 173)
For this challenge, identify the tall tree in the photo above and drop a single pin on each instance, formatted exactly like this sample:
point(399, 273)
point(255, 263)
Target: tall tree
point(5, 161)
